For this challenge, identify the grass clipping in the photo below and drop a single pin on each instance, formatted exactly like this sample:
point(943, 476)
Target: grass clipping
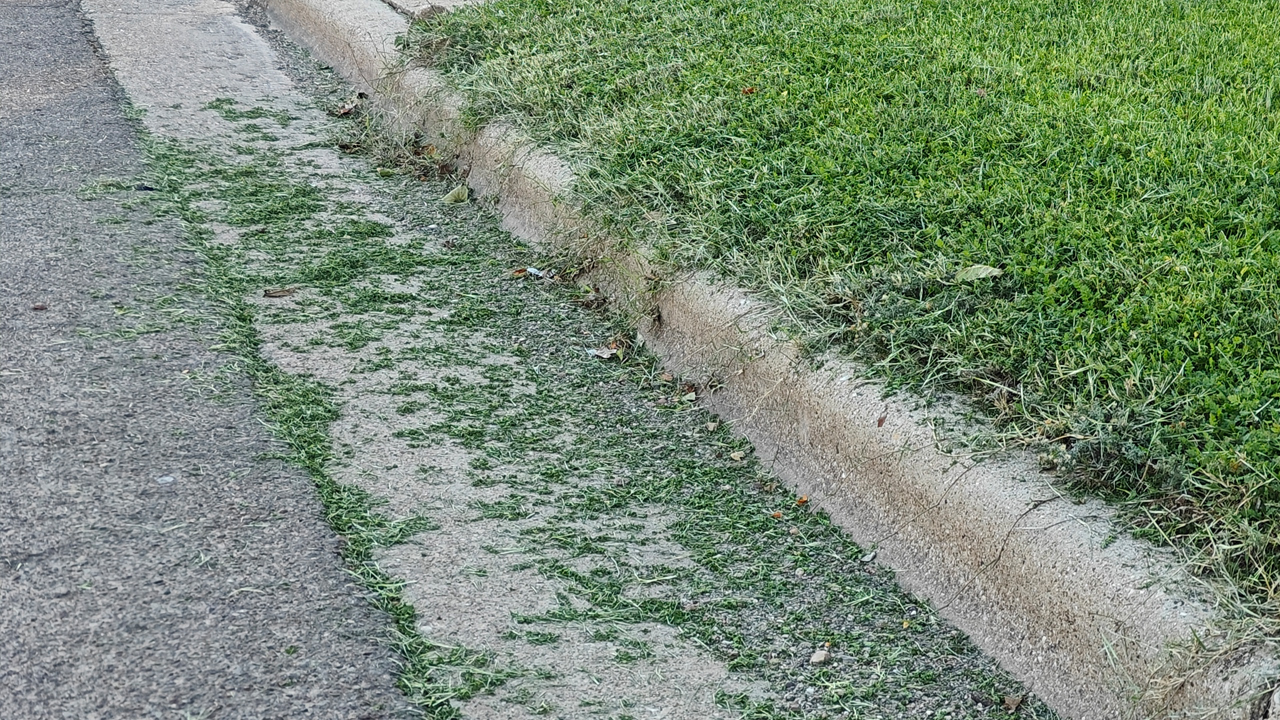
point(1067, 210)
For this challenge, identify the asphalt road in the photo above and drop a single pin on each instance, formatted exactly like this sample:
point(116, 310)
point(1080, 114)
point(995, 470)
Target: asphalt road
point(152, 564)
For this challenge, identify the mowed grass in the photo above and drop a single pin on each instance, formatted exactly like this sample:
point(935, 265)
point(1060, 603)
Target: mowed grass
point(1116, 160)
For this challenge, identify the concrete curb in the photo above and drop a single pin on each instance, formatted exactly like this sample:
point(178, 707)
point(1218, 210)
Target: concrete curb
point(1093, 626)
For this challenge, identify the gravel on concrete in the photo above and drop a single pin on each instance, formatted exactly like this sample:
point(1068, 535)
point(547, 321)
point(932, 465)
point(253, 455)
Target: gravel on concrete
point(152, 562)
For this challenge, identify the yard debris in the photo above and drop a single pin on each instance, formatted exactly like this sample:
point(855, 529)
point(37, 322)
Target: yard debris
point(1012, 702)
point(978, 272)
point(350, 106)
point(533, 272)
point(456, 196)
point(737, 456)
point(607, 352)
point(593, 299)
point(869, 557)
point(39, 307)
point(820, 657)
point(802, 500)
point(279, 292)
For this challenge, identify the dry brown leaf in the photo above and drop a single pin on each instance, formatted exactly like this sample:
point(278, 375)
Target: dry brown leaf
point(1012, 702)
point(737, 456)
point(802, 500)
point(711, 426)
point(776, 515)
point(279, 292)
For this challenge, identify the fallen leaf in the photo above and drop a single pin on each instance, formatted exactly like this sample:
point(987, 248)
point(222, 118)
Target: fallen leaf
point(279, 292)
point(980, 92)
point(981, 699)
point(40, 307)
point(666, 377)
point(802, 500)
point(711, 426)
point(906, 624)
point(776, 515)
point(386, 172)
point(978, 272)
point(456, 196)
point(593, 299)
point(349, 106)
point(748, 91)
point(794, 531)
point(737, 456)
point(689, 397)
point(1012, 702)
point(869, 557)
point(519, 272)
point(882, 418)
point(770, 487)
point(606, 352)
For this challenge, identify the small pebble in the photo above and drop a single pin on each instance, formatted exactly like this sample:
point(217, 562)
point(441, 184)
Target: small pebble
point(819, 658)
point(164, 479)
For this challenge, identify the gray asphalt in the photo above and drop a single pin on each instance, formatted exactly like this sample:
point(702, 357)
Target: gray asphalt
point(151, 563)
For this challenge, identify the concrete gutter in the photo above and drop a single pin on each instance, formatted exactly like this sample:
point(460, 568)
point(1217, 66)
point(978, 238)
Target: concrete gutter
point(1099, 629)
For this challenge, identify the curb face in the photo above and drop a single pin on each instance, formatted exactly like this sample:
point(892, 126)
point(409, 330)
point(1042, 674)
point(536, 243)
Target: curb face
point(1033, 577)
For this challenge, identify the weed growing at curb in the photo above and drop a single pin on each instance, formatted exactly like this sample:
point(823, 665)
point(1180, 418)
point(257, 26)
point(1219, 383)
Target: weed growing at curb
point(1066, 211)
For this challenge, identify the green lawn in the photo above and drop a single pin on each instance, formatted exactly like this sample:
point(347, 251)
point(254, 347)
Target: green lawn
point(1117, 161)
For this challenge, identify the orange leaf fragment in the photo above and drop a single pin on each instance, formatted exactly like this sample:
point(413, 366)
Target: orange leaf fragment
point(802, 500)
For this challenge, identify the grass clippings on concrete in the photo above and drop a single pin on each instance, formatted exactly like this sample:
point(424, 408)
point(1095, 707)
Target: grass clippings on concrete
point(663, 539)
point(871, 165)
